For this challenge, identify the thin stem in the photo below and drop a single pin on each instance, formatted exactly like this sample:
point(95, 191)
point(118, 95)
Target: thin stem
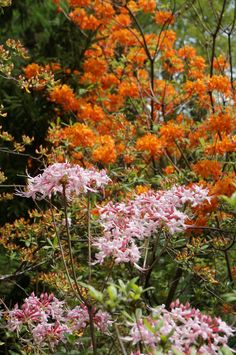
point(120, 340)
point(228, 266)
point(91, 326)
point(89, 237)
point(173, 287)
point(70, 247)
point(183, 155)
point(63, 256)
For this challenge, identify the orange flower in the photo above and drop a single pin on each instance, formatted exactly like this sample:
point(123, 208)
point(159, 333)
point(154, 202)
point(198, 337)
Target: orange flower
point(124, 37)
point(164, 18)
point(128, 159)
point(225, 186)
point(207, 168)
point(95, 66)
point(84, 21)
point(225, 145)
point(221, 122)
point(220, 63)
point(109, 80)
point(140, 189)
point(121, 20)
point(129, 89)
point(106, 151)
point(187, 52)
point(64, 96)
point(32, 70)
point(167, 39)
point(169, 169)
point(150, 143)
point(113, 102)
point(104, 10)
point(148, 6)
point(79, 135)
point(219, 83)
point(79, 3)
point(170, 132)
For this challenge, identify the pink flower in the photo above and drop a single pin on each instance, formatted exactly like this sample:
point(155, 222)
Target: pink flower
point(58, 176)
point(78, 318)
point(102, 321)
point(125, 224)
point(51, 333)
point(35, 310)
point(49, 320)
point(185, 327)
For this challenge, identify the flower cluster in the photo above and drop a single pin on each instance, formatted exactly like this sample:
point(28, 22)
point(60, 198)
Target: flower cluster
point(59, 177)
point(125, 223)
point(184, 327)
point(49, 320)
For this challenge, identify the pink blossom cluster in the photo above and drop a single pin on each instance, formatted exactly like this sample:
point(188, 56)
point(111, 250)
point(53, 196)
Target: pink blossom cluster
point(74, 178)
point(126, 223)
point(185, 327)
point(49, 320)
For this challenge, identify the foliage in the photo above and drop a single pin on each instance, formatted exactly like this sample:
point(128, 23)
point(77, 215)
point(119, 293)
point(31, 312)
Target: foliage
point(137, 150)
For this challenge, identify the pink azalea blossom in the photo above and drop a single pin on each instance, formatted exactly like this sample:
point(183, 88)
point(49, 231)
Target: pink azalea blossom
point(35, 310)
point(185, 327)
point(51, 333)
point(48, 320)
point(73, 178)
point(124, 224)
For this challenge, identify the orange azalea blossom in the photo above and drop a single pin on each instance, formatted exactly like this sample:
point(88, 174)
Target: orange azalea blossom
point(91, 112)
point(95, 66)
point(195, 136)
point(106, 151)
point(170, 132)
point(169, 170)
point(79, 135)
point(103, 10)
point(197, 66)
point(221, 146)
point(140, 189)
point(219, 83)
point(148, 6)
point(121, 20)
point(187, 52)
point(173, 64)
point(64, 96)
point(220, 63)
point(128, 159)
point(54, 67)
point(113, 102)
point(221, 122)
point(79, 3)
point(208, 168)
point(124, 37)
point(200, 220)
point(167, 39)
point(224, 186)
point(76, 157)
point(129, 89)
point(150, 143)
point(94, 50)
point(32, 70)
point(109, 80)
point(137, 56)
point(84, 21)
point(164, 18)
point(197, 87)
point(132, 5)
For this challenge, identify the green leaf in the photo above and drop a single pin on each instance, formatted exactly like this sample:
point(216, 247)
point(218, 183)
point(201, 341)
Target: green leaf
point(112, 292)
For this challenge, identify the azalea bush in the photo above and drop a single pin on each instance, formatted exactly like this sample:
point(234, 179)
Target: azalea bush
point(130, 245)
